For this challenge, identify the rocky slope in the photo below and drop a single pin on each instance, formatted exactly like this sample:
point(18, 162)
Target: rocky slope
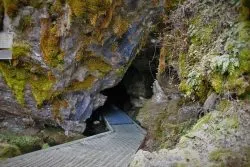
point(199, 114)
point(65, 52)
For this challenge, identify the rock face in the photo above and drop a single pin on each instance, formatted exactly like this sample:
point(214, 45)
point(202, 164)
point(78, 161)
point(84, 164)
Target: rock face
point(65, 53)
point(218, 139)
point(205, 60)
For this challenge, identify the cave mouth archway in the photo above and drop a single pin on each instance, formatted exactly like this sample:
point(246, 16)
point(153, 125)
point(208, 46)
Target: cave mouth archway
point(135, 87)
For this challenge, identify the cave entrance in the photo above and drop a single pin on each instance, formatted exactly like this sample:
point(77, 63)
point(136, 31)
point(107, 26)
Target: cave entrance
point(133, 90)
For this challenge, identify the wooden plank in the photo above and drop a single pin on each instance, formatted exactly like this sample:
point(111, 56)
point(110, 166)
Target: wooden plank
point(5, 54)
point(6, 40)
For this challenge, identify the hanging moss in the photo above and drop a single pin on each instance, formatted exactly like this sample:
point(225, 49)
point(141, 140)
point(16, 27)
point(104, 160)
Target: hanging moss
point(50, 44)
point(16, 79)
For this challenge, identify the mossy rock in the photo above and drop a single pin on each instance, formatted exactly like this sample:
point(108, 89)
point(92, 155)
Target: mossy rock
point(8, 151)
point(24, 143)
point(41, 88)
point(84, 85)
point(15, 79)
point(25, 23)
point(20, 49)
point(97, 64)
point(50, 44)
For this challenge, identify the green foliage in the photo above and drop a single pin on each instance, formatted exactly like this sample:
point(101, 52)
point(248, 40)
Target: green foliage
point(225, 65)
point(220, 154)
point(8, 151)
point(25, 23)
point(20, 49)
point(24, 143)
point(45, 146)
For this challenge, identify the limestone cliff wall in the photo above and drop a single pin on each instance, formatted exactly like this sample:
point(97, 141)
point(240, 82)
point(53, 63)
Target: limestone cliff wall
point(65, 52)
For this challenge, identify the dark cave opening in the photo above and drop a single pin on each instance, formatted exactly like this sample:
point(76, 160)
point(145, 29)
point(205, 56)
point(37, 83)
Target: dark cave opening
point(131, 92)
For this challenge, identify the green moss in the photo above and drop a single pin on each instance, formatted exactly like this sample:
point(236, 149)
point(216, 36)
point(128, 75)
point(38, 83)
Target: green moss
point(220, 154)
point(245, 10)
point(57, 6)
point(80, 7)
point(94, 63)
point(45, 146)
point(24, 143)
point(202, 34)
point(217, 82)
point(204, 120)
point(41, 88)
point(16, 79)
point(236, 84)
point(25, 23)
point(50, 44)
point(224, 105)
point(85, 85)
point(245, 60)
point(58, 104)
point(20, 49)
point(120, 26)
point(8, 151)
point(182, 65)
point(230, 122)
point(11, 7)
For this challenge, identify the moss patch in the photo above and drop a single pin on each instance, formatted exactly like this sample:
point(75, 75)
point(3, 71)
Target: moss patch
point(20, 49)
point(25, 23)
point(16, 79)
point(41, 88)
point(50, 44)
point(85, 85)
point(24, 143)
point(8, 151)
point(98, 64)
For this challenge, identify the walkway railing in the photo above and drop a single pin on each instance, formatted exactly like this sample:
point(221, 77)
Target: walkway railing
point(110, 149)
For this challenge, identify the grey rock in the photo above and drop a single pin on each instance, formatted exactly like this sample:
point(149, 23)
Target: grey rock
point(210, 102)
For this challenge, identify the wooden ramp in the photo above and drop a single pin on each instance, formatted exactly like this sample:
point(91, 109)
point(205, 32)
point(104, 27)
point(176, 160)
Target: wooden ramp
point(110, 149)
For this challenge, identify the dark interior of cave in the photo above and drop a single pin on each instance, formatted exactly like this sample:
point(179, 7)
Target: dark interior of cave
point(136, 83)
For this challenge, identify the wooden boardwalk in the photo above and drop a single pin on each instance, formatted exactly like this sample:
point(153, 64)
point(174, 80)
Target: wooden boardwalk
point(110, 149)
